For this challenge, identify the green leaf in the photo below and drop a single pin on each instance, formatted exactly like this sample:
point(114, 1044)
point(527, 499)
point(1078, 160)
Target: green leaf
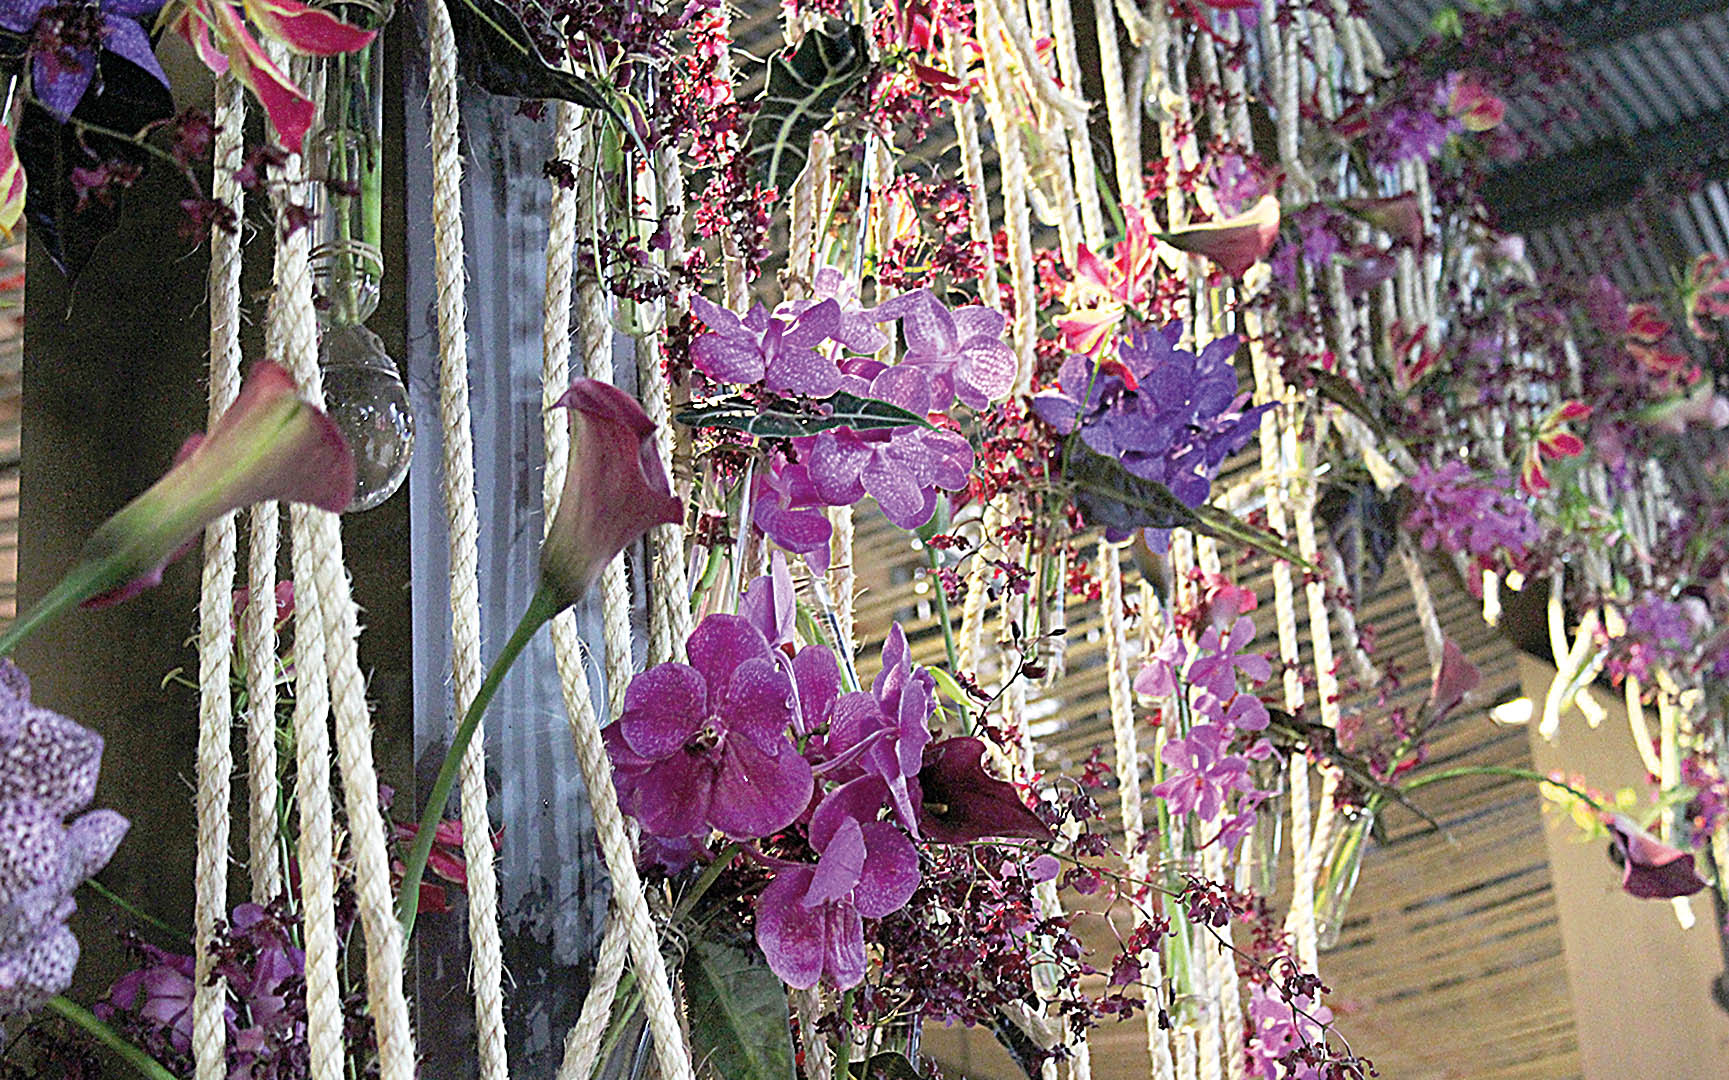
point(784, 419)
point(804, 87)
point(1109, 496)
point(886, 1065)
point(1341, 392)
point(738, 1015)
point(499, 56)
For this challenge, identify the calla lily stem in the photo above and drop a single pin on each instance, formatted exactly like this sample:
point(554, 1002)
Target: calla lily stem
point(541, 608)
point(107, 1036)
point(85, 581)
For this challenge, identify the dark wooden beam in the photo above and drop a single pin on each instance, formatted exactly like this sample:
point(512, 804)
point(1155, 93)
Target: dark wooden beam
point(1595, 24)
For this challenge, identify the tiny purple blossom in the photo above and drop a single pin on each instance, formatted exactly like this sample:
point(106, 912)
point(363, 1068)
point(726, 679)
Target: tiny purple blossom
point(1222, 657)
point(704, 745)
point(1278, 1027)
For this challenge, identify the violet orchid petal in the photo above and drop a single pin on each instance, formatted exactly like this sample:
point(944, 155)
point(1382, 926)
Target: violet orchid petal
point(769, 602)
point(675, 795)
point(816, 678)
point(844, 957)
point(725, 360)
point(718, 645)
point(756, 794)
point(793, 938)
point(837, 463)
point(126, 39)
point(858, 800)
point(664, 708)
point(758, 704)
point(838, 871)
point(59, 84)
point(890, 873)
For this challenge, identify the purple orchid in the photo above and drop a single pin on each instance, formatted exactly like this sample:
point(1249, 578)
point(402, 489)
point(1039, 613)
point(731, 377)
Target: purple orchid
point(889, 723)
point(704, 745)
point(902, 468)
point(782, 354)
point(1167, 414)
point(816, 680)
point(770, 604)
point(1200, 774)
point(1460, 512)
point(160, 993)
point(48, 767)
point(787, 507)
point(810, 919)
point(67, 38)
point(961, 351)
point(856, 329)
point(1222, 657)
point(1160, 675)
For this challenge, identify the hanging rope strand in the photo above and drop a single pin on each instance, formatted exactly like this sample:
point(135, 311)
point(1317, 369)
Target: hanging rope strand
point(216, 628)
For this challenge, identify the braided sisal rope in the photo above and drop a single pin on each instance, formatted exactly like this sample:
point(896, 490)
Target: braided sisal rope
point(1017, 220)
point(216, 626)
point(630, 902)
point(669, 614)
point(318, 557)
point(973, 169)
point(582, 1045)
point(462, 525)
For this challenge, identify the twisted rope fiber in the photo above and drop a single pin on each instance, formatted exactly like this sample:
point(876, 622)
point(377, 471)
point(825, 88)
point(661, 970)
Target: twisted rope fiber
point(1128, 767)
point(1017, 220)
point(215, 629)
point(629, 900)
point(582, 1044)
point(670, 622)
point(973, 168)
point(318, 540)
point(462, 523)
point(1080, 139)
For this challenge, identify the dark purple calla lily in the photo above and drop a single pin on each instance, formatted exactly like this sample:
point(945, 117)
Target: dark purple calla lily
point(959, 802)
point(1651, 869)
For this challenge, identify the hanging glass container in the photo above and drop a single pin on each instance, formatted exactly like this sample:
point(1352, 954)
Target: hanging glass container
point(1258, 859)
point(363, 389)
point(1338, 876)
point(366, 399)
point(345, 163)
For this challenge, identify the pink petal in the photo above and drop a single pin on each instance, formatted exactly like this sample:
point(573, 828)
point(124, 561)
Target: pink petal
point(792, 937)
point(857, 800)
point(844, 958)
point(291, 112)
point(725, 360)
point(674, 796)
point(663, 708)
point(306, 29)
point(755, 794)
point(758, 704)
point(891, 871)
point(719, 645)
point(842, 862)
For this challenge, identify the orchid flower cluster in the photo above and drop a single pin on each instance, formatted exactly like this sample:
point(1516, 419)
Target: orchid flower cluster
point(756, 738)
point(826, 345)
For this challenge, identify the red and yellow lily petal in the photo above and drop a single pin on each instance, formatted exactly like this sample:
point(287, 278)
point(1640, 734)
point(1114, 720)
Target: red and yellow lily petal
point(1085, 331)
point(12, 184)
point(290, 111)
point(307, 30)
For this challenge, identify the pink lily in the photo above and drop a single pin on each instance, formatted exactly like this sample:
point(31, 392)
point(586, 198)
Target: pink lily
point(615, 491)
point(1104, 291)
point(220, 36)
point(269, 445)
point(11, 184)
point(1553, 442)
point(1236, 243)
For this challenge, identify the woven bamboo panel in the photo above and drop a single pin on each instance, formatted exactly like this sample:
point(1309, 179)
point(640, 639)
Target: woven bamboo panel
point(1450, 963)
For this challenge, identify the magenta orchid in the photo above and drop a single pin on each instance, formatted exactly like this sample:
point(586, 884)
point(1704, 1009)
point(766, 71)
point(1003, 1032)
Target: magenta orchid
point(809, 920)
point(782, 354)
point(704, 745)
point(1200, 774)
point(788, 508)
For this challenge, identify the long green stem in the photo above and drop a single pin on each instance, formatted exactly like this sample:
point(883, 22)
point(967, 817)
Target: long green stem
point(82, 583)
point(1500, 770)
point(943, 611)
point(710, 875)
point(137, 913)
point(107, 1036)
point(541, 608)
point(843, 1052)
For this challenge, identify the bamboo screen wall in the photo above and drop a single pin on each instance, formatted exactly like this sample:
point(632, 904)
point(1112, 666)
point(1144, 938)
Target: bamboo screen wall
point(1450, 963)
